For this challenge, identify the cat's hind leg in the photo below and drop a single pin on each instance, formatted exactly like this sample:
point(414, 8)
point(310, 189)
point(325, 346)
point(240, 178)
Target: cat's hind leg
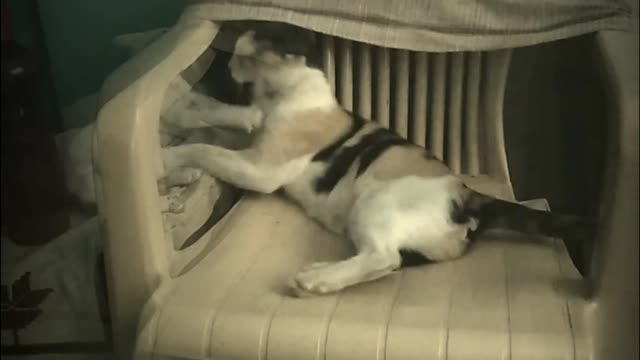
point(324, 278)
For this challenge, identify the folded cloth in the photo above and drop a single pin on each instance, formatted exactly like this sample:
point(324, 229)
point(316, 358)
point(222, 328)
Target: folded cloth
point(431, 25)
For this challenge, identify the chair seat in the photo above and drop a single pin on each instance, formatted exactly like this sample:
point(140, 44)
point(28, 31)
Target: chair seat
point(507, 297)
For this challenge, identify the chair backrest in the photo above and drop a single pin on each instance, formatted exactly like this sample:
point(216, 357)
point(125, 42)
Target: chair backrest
point(450, 103)
point(614, 275)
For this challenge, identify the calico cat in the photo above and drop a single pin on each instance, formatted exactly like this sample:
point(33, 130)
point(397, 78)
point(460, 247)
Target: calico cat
point(358, 179)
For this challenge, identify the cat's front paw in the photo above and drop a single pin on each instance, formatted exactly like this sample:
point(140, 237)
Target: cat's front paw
point(315, 279)
point(253, 119)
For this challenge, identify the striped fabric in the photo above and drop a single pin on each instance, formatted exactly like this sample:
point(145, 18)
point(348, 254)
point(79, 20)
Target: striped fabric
point(431, 25)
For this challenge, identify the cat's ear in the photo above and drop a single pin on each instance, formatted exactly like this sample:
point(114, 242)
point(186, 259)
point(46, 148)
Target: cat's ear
point(246, 45)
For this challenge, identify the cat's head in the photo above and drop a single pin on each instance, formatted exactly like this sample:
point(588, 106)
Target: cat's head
point(265, 46)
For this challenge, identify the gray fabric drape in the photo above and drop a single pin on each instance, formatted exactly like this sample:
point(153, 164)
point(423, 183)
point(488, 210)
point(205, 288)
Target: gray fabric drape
point(431, 25)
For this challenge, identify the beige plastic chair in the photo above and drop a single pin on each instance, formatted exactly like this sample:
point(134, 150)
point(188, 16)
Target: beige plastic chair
point(224, 297)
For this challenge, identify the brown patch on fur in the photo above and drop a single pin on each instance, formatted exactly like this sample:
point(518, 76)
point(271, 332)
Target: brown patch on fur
point(309, 133)
point(400, 161)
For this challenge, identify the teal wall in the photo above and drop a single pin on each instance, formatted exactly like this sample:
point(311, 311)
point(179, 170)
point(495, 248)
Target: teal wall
point(77, 36)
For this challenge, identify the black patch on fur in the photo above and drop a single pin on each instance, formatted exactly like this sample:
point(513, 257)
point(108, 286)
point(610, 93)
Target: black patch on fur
point(285, 39)
point(412, 258)
point(378, 141)
point(458, 213)
point(496, 213)
point(326, 153)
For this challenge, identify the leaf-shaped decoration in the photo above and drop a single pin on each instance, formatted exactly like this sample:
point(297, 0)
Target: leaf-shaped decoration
point(21, 308)
point(20, 287)
point(24, 297)
point(32, 299)
point(4, 297)
point(18, 319)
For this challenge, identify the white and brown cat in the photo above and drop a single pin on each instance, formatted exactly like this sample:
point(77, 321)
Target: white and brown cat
point(358, 179)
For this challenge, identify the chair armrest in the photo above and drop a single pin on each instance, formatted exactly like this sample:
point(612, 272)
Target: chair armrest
point(615, 262)
point(127, 165)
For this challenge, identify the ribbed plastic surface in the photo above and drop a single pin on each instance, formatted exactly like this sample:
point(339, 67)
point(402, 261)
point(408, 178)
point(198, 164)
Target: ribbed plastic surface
point(506, 299)
point(450, 103)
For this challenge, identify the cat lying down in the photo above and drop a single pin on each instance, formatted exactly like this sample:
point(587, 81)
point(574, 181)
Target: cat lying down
point(361, 181)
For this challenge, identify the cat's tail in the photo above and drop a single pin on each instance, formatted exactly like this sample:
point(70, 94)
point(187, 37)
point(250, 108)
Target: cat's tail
point(492, 213)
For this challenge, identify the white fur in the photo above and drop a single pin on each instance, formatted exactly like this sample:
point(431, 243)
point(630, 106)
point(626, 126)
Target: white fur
point(306, 89)
point(241, 168)
point(384, 217)
point(194, 110)
point(409, 212)
point(380, 217)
